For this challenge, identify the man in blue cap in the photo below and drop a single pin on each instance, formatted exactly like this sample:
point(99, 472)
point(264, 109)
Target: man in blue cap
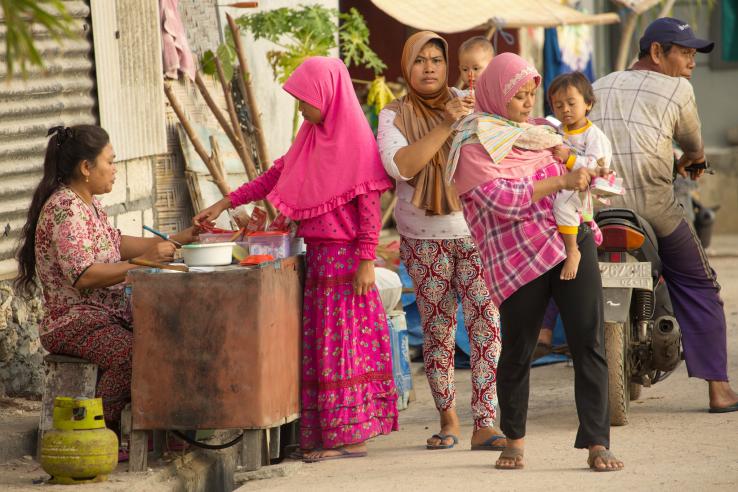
point(642, 110)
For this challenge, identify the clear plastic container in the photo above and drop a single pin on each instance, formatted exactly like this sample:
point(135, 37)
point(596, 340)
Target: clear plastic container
point(223, 237)
point(273, 243)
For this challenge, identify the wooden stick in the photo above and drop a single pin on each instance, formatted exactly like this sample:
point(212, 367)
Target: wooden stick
point(247, 92)
point(216, 156)
point(228, 96)
point(248, 162)
point(215, 110)
point(237, 144)
point(388, 212)
point(196, 143)
point(625, 38)
point(240, 145)
point(153, 264)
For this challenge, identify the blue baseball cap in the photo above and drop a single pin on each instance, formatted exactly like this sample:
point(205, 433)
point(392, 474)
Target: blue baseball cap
point(674, 31)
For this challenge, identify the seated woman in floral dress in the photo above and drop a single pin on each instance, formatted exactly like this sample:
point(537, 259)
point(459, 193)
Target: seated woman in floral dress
point(80, 260)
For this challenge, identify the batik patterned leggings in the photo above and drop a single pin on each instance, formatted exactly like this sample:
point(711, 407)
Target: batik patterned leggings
point(442, 272)
point(105, 342)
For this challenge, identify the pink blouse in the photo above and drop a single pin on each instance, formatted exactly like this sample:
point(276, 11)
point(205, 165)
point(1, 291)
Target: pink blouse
point(357, 221)
point(70, 236)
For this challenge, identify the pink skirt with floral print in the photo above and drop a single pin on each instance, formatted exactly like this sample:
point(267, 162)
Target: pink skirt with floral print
point(348, 394)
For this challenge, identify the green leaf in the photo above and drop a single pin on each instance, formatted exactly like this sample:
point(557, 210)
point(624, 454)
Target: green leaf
point(19, 18)
point(302, 32)
point(354, 38)
point(208, 63)
point(227, 56)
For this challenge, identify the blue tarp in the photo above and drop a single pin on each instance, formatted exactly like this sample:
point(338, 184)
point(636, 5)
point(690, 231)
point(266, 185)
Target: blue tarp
point(415, 330)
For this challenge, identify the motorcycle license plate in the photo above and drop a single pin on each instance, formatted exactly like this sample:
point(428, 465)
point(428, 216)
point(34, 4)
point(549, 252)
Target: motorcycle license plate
point(626, 275)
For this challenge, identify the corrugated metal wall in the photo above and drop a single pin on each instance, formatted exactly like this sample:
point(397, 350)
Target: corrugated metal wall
point(129, 76)
point(63, 93)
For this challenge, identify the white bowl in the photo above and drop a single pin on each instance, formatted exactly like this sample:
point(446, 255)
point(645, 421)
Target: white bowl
point(210, 254)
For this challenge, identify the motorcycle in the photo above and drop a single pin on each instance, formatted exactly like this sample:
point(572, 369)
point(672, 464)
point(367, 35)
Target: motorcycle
point(642, 335)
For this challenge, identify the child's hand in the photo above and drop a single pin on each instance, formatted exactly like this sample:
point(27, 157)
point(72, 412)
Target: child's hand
point(364, 277)
point(562, 153)
point(603, 172)
point(210, 214)
point(457, 108)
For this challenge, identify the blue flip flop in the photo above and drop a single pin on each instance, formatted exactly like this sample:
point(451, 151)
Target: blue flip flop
point(728, 409)
point(443, 437)
point(489, 444)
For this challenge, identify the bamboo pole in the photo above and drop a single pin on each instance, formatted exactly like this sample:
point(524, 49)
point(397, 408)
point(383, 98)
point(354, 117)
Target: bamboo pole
point(215, 110)
point(247, 91)
point(243, 152)
point(239, 144)
point(388, 212)
point(215, 155)
point(230, 105)
point(625, 38)
point(215, 172)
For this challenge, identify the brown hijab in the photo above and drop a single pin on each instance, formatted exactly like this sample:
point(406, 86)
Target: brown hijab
point(417, 115)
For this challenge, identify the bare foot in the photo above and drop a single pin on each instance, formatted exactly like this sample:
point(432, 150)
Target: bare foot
point(512, 457)
point(480, 436)
point(571, 265)
point(721, 394)
point(449, 426)
point(359, 448)
point(601, 459)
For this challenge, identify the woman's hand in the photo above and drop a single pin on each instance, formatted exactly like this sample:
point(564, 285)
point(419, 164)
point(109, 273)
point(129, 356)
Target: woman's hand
point(457, 108)
point(161, 252)
point(578, 179)
point(210, 214)
point(562, 153)
point(186, 236)
point(364, 277)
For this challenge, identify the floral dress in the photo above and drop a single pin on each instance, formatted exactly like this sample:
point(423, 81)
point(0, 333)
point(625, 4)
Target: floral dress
point(94, 324)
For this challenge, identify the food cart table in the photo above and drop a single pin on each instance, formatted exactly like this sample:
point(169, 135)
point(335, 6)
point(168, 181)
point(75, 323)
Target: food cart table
point(215, 350)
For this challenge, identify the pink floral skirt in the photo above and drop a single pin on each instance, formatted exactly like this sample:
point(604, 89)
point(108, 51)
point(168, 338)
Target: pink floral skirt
point(348, 394)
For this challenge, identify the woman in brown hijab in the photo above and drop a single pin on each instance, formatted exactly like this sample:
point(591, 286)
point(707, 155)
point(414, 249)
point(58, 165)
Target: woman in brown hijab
point(414, 140)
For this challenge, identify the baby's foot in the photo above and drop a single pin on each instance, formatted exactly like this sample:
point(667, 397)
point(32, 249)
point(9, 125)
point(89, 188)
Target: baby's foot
point(571, 265)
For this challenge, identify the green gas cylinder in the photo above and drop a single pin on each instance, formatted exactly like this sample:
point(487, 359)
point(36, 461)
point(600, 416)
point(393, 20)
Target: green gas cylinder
point(80, 448)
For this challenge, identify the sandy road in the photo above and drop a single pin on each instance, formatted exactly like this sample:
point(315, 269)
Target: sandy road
point(672, 443)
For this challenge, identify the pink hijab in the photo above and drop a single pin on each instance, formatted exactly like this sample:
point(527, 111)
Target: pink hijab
point(501, 80)
point(498, 84)
point(330, 163)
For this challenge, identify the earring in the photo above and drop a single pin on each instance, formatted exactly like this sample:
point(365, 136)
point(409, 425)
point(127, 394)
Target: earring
point(87, 179)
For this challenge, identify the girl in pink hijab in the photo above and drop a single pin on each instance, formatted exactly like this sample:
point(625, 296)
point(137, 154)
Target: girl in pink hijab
point(331, 180)
point(507, 177)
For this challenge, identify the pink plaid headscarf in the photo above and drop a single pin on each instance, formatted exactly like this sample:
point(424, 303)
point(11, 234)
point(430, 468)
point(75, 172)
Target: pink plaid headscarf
point(330, 163)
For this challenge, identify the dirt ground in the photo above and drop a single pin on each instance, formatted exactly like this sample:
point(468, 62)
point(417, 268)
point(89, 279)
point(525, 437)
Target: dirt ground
point(672, 443)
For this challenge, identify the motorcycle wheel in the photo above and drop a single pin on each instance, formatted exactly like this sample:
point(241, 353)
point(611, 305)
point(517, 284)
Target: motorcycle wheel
point(618, 371)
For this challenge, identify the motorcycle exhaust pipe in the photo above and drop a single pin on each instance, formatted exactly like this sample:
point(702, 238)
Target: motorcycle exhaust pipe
point(666, 344)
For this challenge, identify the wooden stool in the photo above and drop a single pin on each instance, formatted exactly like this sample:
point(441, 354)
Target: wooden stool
point(64, 376)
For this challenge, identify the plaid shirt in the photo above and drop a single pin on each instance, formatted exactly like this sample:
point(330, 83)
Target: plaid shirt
point(517, 238)
point(642, 112)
